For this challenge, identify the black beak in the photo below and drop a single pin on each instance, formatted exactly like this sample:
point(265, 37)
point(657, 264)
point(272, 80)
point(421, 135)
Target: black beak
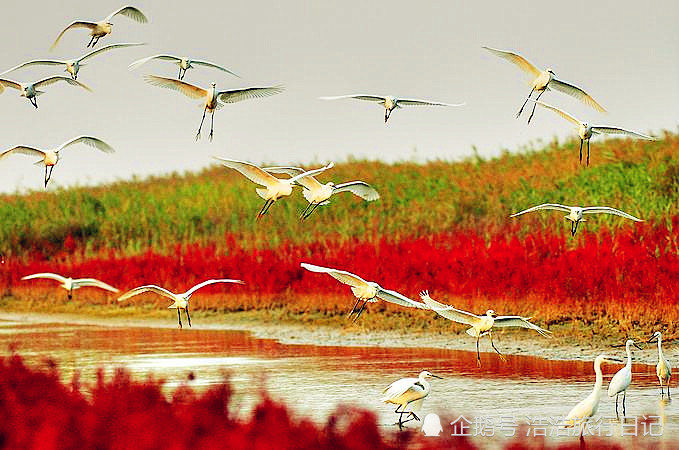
point(436, 376)
point(637, 346)
point(651, 340)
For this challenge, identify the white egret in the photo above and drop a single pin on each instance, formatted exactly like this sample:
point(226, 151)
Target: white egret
point(211, 96)
point(31, 90)
point(179, 301)
point(103, 27)
point(481, 325)
point(663, 369)
point(408, 392)
point(575, 213)
point(184, 62)
point(368, 291)
point(71, 284)
point(623, 378)
point(390, 102)
point(543, 81)
point(275, 188)
point(51, 157)
point(588, 407)
point(72, 66)
point(318, 194)
point(586, 130)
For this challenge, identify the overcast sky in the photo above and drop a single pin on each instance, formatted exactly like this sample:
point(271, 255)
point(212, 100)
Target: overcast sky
point(624, 53)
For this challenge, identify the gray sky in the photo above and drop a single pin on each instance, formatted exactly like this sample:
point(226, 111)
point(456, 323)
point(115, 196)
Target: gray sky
point(624, 53)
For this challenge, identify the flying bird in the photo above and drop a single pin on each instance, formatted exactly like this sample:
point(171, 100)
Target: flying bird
point(211, 96)
point(71, 284)
point(575, 213)
point(543, 81)
point(663, 369)
point(481, 325)
point(318, 194)
point(179, 301)
point(390, 102)
point(408, 392)
point(623, 378)
point(367, 291)
point(50, 157)
point(72, 66)
point(275, 188)
point(31, 90)
point(586, 130)
point(184, 62)
point(103, 27)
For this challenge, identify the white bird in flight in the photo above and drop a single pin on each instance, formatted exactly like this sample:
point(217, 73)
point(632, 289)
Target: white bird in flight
point(50, 157)
point(72, 66)
point(31, 90)
point(623, 378)
point(184, 62)
point(586, 130)
point(481, 325)
point(103, 27)
point(575, 213)
point(543, 81)
point(663, 369)
point(275, 188)
point(179, 301)
point(368, 291)
point(211, 96)
point(318, 194)
point(408, 392)
point(390, 102)
point(71, 284)
point(587, 408)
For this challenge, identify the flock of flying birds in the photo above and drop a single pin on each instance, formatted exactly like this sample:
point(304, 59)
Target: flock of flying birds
point(407, 392)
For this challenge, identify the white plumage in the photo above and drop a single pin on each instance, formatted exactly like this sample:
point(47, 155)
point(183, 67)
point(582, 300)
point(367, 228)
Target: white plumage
point(71, 284)
point(408, 393)
point(390, 102)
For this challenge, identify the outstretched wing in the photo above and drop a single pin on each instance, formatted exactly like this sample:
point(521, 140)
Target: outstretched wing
point(93, 282)
point(51, 80)
point(311, 173)
point(307, 181)
point(213, 65)
point(89, 141)
point(23, 150)
point(399, 299)
point(49, 276)
point(366, 97)
point(522, 322)
point(253, 173)
point(617, 130)
point(554, 206)
point(76, 24)
point(292, 171)
point(398, 388)
point(107, 48)
point(237, 95)
point(563, 114)
point(450, 313)
point(128, 11)
point(183, 87)
point(342, 276)
point(208, 282)
point(521, 62)
point(148, 288)
point(10, 84)
point(413, 102)
point(576, 92)
point(607, 210)
point(162, 56)
point(36, 62)
point(360, 188)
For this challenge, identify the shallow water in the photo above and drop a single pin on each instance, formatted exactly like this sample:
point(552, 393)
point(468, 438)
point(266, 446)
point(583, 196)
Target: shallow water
point(314, 380)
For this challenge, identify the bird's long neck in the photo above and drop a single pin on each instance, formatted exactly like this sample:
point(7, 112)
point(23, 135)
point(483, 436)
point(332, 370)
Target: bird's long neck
point(425, 384)
point(629, 357)
point(599, 380)
point(660, 353)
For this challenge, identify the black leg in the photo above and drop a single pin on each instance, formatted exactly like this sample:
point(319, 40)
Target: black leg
point(535, 105)
point(188, 317)
point(179, 77)
point(266, 210)
point(91, 40)
point(312, 210)
point(303, 215)
point(261, 211)
point(524, 103)
point(616, 406)
point(580, 151)
point(353, 310)
point(70, 294)
point(624, 410)
point(200, 127)
point(502, 357)
point(575, 230)
point(478, 355)
point(360, 311)
point(662, 392)
point(212, 124)
point(179, 316)
point(47, 179)
point(95, 42)
point(386, 115)
point(668, 390)
point(588, 152)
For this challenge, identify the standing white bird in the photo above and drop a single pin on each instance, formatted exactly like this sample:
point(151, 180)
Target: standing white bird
point(103, 27)
point(543, 81)
point(71, 284)
point(623, 378)
point(575, 213)
point(586, 130)
point(211, 96)
point(318, 194)
point(663, 369)
point(275, 188)
point(184, 62)
point(50, 157)
point(30, 90)
point(179, 301)
point(587, 408)
point(390, 102)
point(72, 66)
point(408, 392)
point(368, 291)
point(481, 325)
